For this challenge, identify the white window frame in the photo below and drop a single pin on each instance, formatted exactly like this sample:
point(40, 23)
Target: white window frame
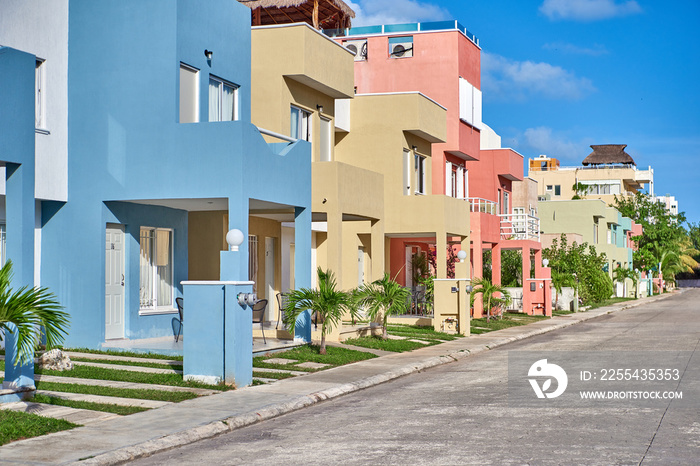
point(303, 129)
point(506, 202)
point(420, 174)
point(190, 69)
point(3, 251)
point(154, 307)
point(223, 83)
point(253, 260)
point(40, 94)
point(406, 172)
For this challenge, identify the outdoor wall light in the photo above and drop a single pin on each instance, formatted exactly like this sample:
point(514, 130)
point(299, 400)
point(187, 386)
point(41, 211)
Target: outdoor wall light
point(319, 108)
point(247, 298)
point(208, 54)
point(461, 255)
point(234, 238)
point(469, 288)
point(545, 262)
point(415, 148)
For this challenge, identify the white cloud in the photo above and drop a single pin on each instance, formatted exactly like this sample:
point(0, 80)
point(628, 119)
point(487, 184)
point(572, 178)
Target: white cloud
point(505, 79)
point(588, 10)
point(543, 140)
point(573, 49)
point(370, 13)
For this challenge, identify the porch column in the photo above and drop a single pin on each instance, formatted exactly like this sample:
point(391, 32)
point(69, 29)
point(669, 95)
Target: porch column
point(20, 212)
point(335, 243)
point(302, 266)
point(377, 244)
point(496, 264)
point(234, 264)
point(462, 268)
point(538, 263)
point(478, 272)
point(527, 265)
point(441, 253)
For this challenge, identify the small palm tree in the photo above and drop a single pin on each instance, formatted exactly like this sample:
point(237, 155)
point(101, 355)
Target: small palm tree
point(383, 297)
point(488, 290)
point(327, 302)
point(29, 309)
point(559, 281)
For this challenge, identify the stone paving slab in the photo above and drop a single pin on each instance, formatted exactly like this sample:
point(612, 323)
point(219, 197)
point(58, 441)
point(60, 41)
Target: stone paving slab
point(312, 365)
point(128, 437)
point(117, 384)
point(112, 400)
point(362, 349)
point(279, 361)
point(264, 380)
point(147, 370)
point(422, 342)
point(279, 371)
point(111, 357)
point(74, 415)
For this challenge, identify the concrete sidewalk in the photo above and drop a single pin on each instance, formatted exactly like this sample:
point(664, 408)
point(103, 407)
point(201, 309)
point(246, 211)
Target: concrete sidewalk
point(121, 439)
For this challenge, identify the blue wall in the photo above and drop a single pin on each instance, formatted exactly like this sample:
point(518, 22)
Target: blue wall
point(125, 143)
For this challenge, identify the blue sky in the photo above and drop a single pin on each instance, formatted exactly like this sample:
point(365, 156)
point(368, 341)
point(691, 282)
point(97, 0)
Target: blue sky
point(560, 75)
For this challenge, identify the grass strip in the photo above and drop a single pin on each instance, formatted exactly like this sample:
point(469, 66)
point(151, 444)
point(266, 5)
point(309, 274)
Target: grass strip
point(99, 373)
point(510, 319)
point(129, 363)
point(396, 346)
point(609, 302)
point(17, 425)
point(272, 375)
point(258, 363)
point(139, 394)
point(420, 332)
point(130, 354)
point(334, 356)
point(104, 407)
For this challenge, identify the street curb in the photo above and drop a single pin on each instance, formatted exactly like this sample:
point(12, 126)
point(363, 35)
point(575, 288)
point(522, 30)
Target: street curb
point(213, 429)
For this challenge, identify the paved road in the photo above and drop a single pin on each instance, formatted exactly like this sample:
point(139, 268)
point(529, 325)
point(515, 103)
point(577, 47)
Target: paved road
point(459, 413)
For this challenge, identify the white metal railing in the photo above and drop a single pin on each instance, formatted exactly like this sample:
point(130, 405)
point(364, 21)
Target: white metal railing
point(478, 204)
point(276, 135)
point(520, 226)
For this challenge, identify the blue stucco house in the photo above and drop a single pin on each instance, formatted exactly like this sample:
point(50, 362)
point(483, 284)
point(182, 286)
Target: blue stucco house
point(145, 157)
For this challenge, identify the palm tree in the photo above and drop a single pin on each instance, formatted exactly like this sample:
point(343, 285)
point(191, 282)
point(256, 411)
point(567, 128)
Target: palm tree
point(488, 291)
point(327, 302)
point(24, 311)
point(383, 297)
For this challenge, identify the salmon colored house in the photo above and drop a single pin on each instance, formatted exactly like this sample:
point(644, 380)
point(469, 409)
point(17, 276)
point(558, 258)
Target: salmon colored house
point(442, 60)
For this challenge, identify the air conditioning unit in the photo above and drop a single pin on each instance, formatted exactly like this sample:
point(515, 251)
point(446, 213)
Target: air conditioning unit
point(545, 197)
point(358, 47)
point(401, 50)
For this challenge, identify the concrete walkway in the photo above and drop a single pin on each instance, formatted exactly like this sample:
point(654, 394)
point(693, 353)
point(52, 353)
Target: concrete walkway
point(128, 437)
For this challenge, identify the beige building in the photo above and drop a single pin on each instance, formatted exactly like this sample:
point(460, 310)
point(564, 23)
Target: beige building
point(606, 172)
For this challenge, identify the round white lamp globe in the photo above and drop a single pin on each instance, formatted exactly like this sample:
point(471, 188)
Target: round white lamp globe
point(234, 238)
point(545, 262)
point(461, 255)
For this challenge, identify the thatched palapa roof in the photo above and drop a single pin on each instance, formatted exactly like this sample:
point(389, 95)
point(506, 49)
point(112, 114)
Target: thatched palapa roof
point(607, 154)
point(321, 14)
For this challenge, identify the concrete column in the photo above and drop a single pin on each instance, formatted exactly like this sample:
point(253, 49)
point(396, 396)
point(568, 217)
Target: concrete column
point(496, 264)
point(377, 244)
point(441, 253)
point(234, 264)
point(302, 266)
point(526, 263)
point(478, 264)
point(462, 268)
point(538, 264)
point(20, 210)
point(334, 247)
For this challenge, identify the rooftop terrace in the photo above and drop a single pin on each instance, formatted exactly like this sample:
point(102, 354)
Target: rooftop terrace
point(432, 26)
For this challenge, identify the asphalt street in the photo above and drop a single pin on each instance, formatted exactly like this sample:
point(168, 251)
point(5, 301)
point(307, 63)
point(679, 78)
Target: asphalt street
point(459, 413)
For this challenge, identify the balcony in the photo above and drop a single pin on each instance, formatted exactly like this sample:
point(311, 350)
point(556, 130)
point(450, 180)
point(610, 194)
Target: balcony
point(520, 226)
point(484, 206)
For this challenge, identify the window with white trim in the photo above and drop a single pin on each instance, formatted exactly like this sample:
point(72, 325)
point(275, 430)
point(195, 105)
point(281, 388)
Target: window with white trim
point(39, 95)
point(156, 269)
point(470, 103)
point(300, 124)
point(223, 100)
point(406, 172)
point(326, 140)
point(3, 254)
point(253, 260)
point(419, 167)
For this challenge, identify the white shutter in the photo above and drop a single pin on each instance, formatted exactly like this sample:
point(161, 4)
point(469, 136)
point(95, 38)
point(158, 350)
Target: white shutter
point(466, 183)
point(477, 108)
point(460, 183)
point(448, 179)
point(406, 172)
point(466, 101)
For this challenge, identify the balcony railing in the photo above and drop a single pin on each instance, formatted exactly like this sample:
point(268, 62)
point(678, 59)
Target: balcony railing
point(520, 226)
point(477, 204)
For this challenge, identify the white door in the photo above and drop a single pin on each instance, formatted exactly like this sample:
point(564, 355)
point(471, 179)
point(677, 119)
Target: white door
point(270, 279)
point(114, 282)
point(360, 266)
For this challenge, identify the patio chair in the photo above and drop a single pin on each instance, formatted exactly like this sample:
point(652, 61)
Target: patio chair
point(281, 303)
point(177, 322)
point(419, 299)
point(259, 315)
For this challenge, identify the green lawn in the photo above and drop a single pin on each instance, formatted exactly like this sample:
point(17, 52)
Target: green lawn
point(141, 394)
point(420, 332)
point(130, 354)
point(309, 353)
point(510, 319)
point(397, 346)
point(17, 426)
point(130, 363)
point(609, 302)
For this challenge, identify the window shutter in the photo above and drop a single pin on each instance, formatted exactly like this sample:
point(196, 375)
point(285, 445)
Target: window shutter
point(460, 183)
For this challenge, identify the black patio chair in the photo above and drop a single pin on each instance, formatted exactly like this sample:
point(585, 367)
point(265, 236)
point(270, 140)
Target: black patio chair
point(259, 315)
point(281, 303)
point(177, 322)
